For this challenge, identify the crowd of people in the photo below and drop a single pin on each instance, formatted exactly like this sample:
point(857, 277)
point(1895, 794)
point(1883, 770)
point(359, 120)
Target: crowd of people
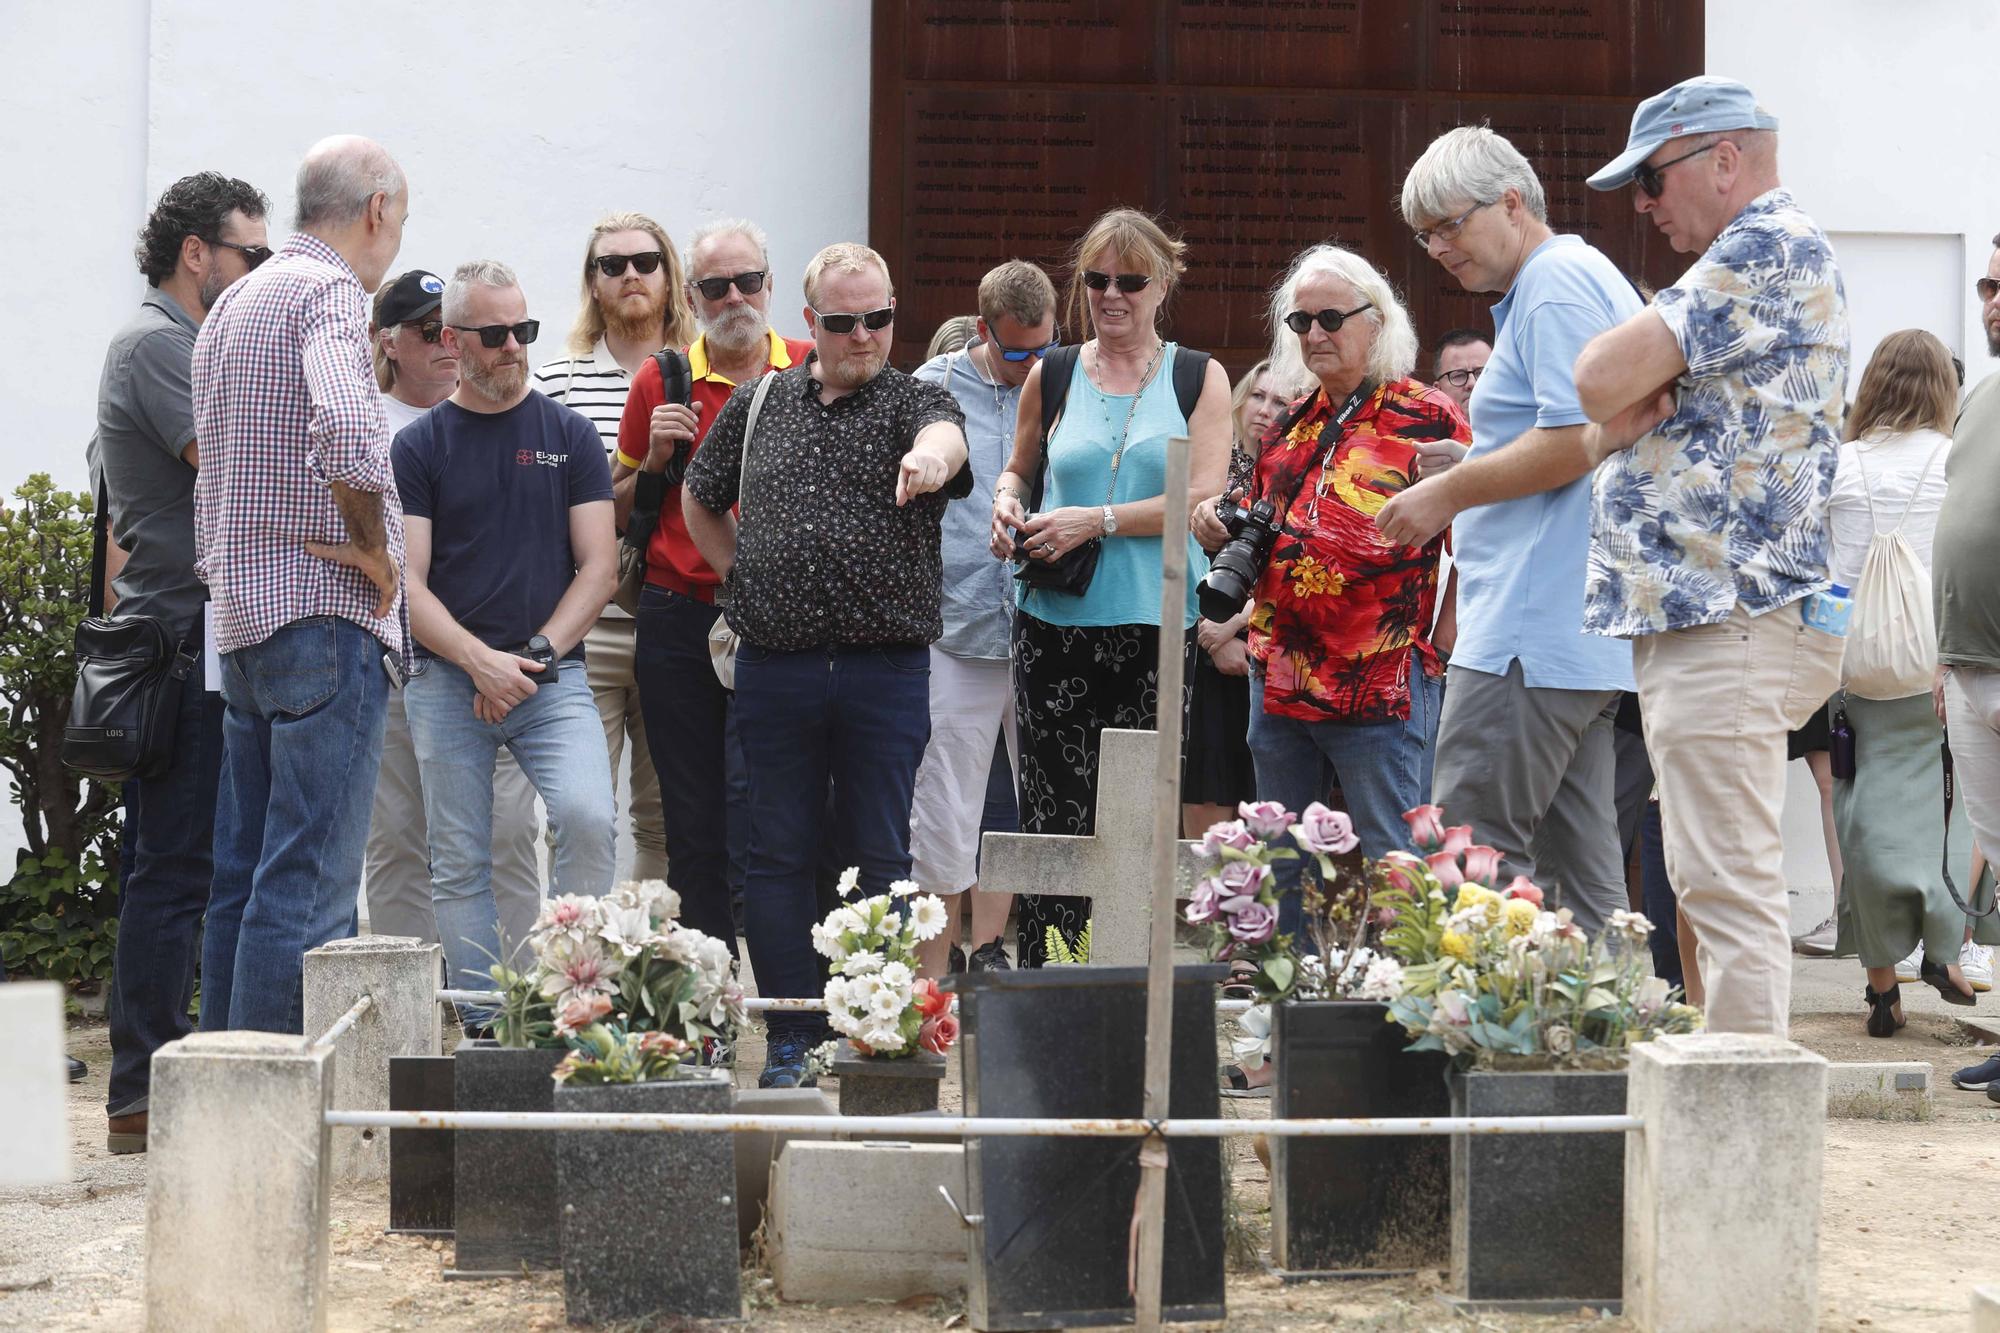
point(1602, 554)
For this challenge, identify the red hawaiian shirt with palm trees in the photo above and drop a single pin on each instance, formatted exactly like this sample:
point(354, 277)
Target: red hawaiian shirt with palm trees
point(1340, 607)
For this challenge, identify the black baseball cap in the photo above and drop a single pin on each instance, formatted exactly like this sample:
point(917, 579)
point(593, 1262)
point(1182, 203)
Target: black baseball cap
point(410, 296)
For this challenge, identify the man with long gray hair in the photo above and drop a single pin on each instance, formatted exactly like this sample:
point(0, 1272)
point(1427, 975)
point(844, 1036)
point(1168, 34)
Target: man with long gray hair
point(507, 500)
point(1525, 750)
point(300, 539)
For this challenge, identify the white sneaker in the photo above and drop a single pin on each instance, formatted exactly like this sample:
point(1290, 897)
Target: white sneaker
point(1819, 941)
point(1976, 962)
point(1910, 969)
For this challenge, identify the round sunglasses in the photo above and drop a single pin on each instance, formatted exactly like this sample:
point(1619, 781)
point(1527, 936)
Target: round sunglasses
point(1329, 319)
point(714, 289)
point(613, 266)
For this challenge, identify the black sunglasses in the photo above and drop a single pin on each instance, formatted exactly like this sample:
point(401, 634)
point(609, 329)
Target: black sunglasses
point(874, 320)
point(1329, 319)
point(714, 289)
point(253, 255)
point(429, 330)
point(1651, 179)
point(613, 266)
point(1025, 353)
point(495, 335)
point(1127, 282)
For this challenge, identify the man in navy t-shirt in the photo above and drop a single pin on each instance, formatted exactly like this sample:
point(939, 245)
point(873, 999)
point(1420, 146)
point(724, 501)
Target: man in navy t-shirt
point(511, 556)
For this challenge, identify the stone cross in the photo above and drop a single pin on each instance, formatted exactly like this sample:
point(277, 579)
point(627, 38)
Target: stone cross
point(1113, 868)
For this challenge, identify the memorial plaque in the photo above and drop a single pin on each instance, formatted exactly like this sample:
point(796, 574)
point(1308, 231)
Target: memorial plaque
point(1587, 48)
point(1031, 41)
point(1285, 44)
point(420, 1160)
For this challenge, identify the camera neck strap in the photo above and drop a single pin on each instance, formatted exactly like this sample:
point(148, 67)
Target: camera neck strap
point(1323, 460)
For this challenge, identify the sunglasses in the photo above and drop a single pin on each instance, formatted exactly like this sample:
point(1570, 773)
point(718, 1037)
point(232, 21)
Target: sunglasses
point(253, 255)
point(1329, 319)
point(714, 289)
point(1651, 179)
point(613, 266)
point(874, 320)
point(1458, 379)
point(1447, 231)
point(1127, 282)
point(1987, 288)
point(429, 330)
point(1025, 353)
point(495, 335)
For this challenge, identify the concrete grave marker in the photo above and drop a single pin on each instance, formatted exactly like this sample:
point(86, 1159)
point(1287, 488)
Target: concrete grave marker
point(1113, 867)
point(34, 1125)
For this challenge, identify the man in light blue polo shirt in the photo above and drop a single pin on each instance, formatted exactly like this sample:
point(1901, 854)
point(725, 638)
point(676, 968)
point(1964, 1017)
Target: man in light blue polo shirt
point(1525, 745)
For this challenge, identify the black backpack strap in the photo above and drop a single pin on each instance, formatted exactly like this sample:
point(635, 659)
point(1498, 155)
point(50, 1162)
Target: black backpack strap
point(1058, 369)
point(1190, 373)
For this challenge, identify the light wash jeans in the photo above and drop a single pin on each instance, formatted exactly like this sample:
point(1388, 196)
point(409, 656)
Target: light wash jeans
point(557, 738)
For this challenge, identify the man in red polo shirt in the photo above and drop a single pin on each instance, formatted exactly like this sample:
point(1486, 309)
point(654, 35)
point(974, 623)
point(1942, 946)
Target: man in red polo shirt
point(686, 709)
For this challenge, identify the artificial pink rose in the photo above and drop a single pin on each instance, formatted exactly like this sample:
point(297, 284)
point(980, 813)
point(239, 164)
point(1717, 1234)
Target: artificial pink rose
point(1445, 866)
point(1254, 924)
point(1399, 871)
point(930, 1001)
point(1324, 831)
point(1482, 864)
point(1426, 825)
point(1525, 888)
point(1385, 917)
point(1266, 819)
point(1203, 904)
point(1456, 839)
point(937, 1034)
point(1240, 883)
point(1228, 833)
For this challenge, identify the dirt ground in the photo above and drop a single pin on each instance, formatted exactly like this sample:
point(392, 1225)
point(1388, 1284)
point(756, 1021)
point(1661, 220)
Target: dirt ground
point(1906, 1233)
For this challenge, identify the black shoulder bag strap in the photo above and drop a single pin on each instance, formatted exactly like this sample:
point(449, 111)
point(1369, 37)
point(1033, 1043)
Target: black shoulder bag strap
point(1190, 373)
point(649, 489)
point(1950, 884)
point(1058, 368)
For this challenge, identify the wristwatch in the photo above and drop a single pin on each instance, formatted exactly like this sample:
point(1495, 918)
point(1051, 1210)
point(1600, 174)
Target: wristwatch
point(1110, 521)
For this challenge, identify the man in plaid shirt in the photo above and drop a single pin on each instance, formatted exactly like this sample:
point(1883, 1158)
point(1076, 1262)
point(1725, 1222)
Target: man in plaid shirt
point(299, 536)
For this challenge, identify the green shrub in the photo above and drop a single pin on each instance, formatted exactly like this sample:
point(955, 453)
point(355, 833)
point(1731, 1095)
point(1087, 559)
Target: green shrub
point(58, 911)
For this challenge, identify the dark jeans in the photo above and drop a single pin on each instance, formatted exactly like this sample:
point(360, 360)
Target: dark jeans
point(169, 841)
point(687, 714)
point(302, 744)
point(1659, 893)
point(858, 718)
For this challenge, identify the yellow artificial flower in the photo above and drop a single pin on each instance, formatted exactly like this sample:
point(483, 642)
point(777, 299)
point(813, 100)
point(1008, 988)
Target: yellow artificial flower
point(1478, 895)
point(1520, 916)
point(1457, 945)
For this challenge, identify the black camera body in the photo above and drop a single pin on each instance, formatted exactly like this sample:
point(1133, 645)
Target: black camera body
point(1234, 570)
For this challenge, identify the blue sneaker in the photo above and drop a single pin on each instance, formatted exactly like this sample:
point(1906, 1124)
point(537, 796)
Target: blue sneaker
point(785, 1062)
point(1979, 1077)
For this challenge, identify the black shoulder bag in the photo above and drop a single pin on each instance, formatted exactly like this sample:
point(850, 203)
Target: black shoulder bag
point(1072, 571)
point(650, 489)
point(126, 706)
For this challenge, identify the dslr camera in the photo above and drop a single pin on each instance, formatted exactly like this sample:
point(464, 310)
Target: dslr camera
point(1234, 570)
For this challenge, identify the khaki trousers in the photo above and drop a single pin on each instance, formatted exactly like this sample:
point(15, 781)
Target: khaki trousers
point(1718, 701)
point(610, 651)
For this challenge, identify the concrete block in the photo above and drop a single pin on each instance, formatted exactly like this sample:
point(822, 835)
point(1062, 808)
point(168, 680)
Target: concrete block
point(757, 1150)
point(34, 1125)
point(1722, 1187)
point(865, 1221)
point(1883, 1090)
point(1986, 1310)
point(401, 975)
point(236, 1202)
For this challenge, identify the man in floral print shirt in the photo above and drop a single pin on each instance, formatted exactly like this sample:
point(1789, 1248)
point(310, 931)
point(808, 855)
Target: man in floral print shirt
point(1719, 411)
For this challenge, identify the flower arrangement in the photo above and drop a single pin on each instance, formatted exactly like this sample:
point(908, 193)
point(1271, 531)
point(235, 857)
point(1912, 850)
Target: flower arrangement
point(875, 998)
point(602, 1054)
point(1491, 976)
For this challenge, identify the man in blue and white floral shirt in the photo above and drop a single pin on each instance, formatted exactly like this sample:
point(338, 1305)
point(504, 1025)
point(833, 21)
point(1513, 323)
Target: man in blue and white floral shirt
point(1718, 412)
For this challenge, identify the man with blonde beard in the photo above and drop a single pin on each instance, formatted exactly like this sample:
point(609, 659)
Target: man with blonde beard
point(507, 510)
point(833, 580)
point(632, 304)
point(706, 815)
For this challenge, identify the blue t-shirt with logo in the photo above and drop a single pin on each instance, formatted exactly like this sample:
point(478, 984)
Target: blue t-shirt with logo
point(497, 489)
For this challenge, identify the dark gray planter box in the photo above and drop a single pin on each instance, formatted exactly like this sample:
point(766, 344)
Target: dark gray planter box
point(504, 1188)
point(649, 1220)
point(1051, 1245)
point(873, 1085)
point(1538, 1220)
point(420, 1160)
point(1361, 1206)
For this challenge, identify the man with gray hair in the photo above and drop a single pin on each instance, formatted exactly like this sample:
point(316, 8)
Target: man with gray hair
point(507, 502)
point(1525, 750)
point(299, 538)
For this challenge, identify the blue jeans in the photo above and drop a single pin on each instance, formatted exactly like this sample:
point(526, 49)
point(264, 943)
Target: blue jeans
point(557, 737)
point(858, 718)
point(302, 741)
point(1382, 768)
point(168, 864)
point(687, 721)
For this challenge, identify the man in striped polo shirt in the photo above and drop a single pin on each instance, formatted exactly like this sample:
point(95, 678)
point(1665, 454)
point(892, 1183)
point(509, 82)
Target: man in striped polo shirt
point(633, 303)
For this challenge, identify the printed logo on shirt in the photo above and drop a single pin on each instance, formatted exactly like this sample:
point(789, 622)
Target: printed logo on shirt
point(530, 457)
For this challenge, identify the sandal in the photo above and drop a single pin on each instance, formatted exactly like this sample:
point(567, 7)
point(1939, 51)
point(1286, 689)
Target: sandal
point(1236, 1083)
point(1882, 1020)
point(1939, 977)
point(1239, 984)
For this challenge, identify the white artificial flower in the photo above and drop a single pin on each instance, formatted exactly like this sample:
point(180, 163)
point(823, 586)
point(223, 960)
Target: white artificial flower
point(827, 941)
point(862, 963)
point(1632, 925)
point(884, 1039)
point(850, 880)
point(886, 1005)
point(898, 976)
point(845, 920)
point(903, 888)
point(1252, 1039)
point(627, 929)
point(927, 916)
point(1382, 981)
point(892, 925)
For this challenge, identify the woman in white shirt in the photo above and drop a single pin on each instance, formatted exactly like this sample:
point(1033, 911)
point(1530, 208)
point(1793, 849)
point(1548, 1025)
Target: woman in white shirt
point(1894, 904)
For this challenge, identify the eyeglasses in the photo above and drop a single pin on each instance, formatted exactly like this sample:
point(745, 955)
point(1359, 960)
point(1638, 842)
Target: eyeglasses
point(1127, 282)
point(495, 335)
point(1329, 319)
point(613, 266)
point(1024, 353)
point(1651, 179)
point(1459, 379)
point(1987, 289)
point(431, 330)
point(1448, 231)
point(714, 289)
point(253, 255)
point(874, 320)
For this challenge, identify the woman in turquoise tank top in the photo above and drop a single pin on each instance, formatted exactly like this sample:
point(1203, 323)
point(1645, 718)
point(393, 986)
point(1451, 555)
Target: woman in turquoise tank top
point(1084, 661)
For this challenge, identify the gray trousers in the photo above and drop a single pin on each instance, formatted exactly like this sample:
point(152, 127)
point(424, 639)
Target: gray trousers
point(398, 867)
point(1533, 772)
